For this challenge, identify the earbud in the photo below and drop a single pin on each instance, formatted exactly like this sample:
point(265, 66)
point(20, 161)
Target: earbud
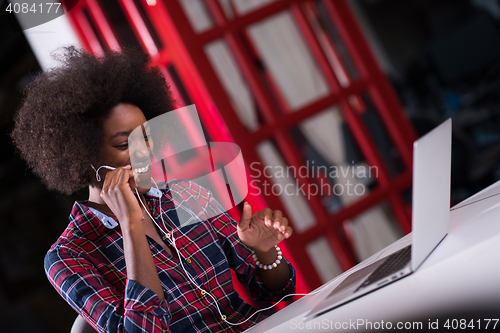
point(97, 176)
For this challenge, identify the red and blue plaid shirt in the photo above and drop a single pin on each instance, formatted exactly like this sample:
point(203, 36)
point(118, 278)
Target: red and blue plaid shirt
point(87, 267)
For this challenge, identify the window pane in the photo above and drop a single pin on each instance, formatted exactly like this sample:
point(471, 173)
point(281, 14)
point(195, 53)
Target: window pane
point(391, 156)
point(280, 182)
point(286, 56)
point(246, 6)
point(331, 43)
point(323, 259)
point(149, 25)
point(329, 27)
point(233, 82)
point(333, 160)
point(119, 23)
point(373, 230)
point(198, 14)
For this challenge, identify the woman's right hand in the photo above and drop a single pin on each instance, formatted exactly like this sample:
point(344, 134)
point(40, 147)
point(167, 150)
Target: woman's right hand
point(118, 194)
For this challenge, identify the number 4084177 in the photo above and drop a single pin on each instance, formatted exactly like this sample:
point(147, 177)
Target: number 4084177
point(48, 7)
point(460, 324)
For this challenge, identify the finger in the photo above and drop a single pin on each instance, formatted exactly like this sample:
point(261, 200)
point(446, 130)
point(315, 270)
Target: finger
point(123, 178)
point(132, 181)
point(266, 215)
point(288, 232)
point(124, 182)
point(277, 216)
point(131, 177)
point(125, 175)
point(284, 224)
point(115, 179)
point(135, 177)
point(112, 180)
point(246, 216)
point(107, 182)
point(109, 186)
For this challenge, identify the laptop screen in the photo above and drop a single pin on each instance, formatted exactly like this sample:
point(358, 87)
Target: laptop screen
point(431, 191)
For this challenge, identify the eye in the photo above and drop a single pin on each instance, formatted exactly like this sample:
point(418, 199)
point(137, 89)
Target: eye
point(122, 147)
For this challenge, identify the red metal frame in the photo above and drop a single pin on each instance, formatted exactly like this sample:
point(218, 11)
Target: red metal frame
point(139, 27)
point(185, 49)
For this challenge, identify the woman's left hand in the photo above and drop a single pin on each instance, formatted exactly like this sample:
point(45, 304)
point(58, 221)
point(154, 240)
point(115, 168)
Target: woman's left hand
point(264, 229)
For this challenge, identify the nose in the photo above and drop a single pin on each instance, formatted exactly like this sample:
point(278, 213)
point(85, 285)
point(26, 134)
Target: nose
point(141, 154)
point(139, 147)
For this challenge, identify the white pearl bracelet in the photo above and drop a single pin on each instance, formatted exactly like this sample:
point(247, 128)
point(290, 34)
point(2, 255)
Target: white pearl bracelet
point(274, 264)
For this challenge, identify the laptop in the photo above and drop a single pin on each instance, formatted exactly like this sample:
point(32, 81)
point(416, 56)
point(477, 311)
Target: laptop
point(430, 219)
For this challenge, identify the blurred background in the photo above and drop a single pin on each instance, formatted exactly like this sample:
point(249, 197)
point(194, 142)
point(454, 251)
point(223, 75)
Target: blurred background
point(318, 84)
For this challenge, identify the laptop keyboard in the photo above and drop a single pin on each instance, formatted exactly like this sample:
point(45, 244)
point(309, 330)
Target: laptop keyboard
point(393, 263)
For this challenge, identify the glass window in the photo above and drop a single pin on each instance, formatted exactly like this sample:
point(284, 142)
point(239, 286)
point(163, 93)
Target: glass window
point(198, 14)
point(331, 43)
point(363, 105)
point(242, 6)
point(149, 25)
point(320, 13)
point(333, 160)
point(373, 230)
point(234, 83)
point(287, 58)
point(323, 259)
point(279, 181)
point(119, 24)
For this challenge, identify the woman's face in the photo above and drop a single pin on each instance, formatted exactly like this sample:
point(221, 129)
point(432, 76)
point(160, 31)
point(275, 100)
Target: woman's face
point(122, 120)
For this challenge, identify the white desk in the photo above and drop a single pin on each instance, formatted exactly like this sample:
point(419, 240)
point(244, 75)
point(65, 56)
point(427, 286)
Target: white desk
point(462, 273)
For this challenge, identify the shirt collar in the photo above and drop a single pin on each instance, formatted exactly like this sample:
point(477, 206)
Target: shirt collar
point(154, 192)
point(108, 222)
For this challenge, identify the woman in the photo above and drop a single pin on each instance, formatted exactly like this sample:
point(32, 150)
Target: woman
point(125, 262)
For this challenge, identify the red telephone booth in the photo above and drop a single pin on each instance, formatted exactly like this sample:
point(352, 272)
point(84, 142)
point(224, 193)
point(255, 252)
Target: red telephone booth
point(295, 85)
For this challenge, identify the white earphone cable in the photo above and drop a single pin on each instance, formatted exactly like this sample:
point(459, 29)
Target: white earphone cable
point(204, 292)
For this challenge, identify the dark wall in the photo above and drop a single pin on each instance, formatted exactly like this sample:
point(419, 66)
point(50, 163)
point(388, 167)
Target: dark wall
point(31, 217)
point(445, 59)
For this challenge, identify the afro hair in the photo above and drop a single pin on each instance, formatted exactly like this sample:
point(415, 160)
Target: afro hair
point(58, 128)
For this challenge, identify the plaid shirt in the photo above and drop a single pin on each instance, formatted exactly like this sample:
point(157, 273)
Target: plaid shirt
point(87, 267)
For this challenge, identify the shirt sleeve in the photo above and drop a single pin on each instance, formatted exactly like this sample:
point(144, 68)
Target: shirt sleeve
point(240, 257)
point(75, 277)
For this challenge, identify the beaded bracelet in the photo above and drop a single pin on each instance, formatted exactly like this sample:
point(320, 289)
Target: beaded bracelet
point(274, 264)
